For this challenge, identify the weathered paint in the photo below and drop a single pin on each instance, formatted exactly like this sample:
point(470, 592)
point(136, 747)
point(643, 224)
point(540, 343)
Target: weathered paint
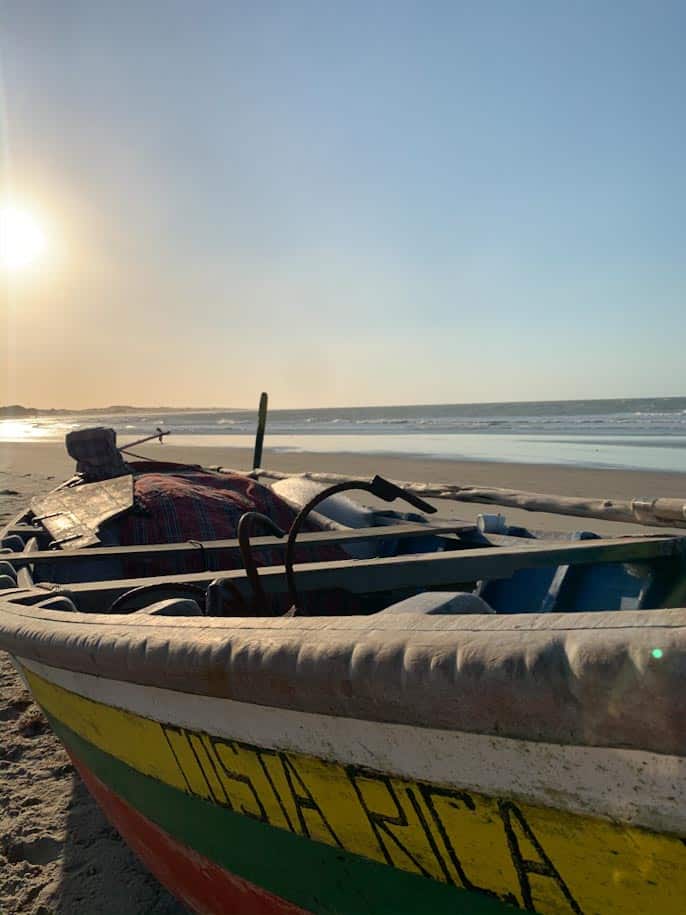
point(550, 861)
point(318, 877)
point(635, 787)
point(200, 883)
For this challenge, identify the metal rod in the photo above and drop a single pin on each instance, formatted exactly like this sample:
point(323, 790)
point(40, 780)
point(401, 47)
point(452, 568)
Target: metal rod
point(261, 424)
point(312, 538)
point(159, 435)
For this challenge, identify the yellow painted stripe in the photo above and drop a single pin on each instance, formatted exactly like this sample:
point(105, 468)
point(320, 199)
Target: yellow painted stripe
point(551, 861)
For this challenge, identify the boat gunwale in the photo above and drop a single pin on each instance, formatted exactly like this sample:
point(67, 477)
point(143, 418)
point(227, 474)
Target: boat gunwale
point(581, 678)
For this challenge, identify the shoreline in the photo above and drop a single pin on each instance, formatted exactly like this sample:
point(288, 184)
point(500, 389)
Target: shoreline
point(15, 453)
point(619, 455)
point(651, 451)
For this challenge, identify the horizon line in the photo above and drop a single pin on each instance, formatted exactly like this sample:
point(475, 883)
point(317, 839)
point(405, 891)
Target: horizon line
point(123, 408)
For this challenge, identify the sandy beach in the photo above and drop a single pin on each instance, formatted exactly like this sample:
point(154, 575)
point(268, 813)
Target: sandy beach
point(57, 853)
point(29, 468)
point(441, 247)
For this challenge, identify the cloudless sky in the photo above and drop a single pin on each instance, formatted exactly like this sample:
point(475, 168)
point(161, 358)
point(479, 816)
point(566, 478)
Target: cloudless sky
point(345, 203)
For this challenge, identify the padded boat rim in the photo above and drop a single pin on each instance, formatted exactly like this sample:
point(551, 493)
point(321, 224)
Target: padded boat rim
point(596, 679)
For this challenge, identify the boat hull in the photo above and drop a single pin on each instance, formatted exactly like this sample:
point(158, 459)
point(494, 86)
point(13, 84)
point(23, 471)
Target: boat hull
point(233, 825)
point(199, 882)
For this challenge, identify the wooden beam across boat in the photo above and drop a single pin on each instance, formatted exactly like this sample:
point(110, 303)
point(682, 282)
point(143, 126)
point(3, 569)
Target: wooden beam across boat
point(419, 570)
point(187, 548)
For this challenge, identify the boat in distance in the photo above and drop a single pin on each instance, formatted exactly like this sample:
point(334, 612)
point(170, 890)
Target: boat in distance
point(289, 702)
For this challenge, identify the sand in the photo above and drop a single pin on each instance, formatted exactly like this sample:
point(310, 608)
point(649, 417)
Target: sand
point(58, 855)
point(30, 468)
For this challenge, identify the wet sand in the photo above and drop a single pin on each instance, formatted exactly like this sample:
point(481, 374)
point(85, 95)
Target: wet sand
point(58, 855)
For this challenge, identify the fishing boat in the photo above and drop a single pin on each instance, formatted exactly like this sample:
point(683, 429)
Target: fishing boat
point(287, 701)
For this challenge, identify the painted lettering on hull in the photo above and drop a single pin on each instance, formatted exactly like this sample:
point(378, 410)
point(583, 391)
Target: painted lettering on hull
point(546, 860)
point(467, 840)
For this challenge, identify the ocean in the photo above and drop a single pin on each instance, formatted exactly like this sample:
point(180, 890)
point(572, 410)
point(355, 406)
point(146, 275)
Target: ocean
point(646, 433)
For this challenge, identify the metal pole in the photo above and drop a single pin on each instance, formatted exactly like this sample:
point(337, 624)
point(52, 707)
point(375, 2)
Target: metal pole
point(159, 435)
point(259, 437)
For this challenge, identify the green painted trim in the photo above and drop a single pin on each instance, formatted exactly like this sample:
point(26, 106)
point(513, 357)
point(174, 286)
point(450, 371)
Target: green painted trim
point(314, 876)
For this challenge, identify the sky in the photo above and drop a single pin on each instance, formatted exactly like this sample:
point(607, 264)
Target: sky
point(344, 203)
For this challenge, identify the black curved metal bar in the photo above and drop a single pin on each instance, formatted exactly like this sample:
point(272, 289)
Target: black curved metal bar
point(246, 526)
point(379, 487)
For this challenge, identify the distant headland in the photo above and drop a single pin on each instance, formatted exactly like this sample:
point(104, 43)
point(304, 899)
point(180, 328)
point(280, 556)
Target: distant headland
point(17, 411)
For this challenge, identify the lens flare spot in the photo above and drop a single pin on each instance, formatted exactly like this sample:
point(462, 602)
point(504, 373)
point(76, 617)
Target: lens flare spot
point(656, 653)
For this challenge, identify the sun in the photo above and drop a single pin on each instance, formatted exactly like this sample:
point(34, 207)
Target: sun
point(22, 238)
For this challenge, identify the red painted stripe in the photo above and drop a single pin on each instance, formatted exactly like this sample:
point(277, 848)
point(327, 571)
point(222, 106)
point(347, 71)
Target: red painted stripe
point(202, 885)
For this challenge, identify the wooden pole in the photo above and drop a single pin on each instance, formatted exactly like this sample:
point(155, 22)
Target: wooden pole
point(661, 512)
point(259, 437)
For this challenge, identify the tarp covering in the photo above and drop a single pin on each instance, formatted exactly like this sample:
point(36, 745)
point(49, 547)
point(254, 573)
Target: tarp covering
point(178, 503)
point(194, 504)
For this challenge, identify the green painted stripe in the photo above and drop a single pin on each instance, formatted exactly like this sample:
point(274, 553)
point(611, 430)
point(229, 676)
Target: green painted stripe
point(317, 877)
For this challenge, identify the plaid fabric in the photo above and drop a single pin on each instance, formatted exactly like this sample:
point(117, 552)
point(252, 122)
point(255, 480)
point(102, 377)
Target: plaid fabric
point(95, 453)
point(193, 504)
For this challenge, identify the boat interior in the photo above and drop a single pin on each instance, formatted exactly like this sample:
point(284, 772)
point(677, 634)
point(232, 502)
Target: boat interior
point(159, 539)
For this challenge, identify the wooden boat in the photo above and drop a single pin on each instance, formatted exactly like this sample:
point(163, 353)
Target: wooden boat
point(447, 718)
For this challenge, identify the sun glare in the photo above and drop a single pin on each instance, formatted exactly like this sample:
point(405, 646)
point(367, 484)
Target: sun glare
point(22, 238)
